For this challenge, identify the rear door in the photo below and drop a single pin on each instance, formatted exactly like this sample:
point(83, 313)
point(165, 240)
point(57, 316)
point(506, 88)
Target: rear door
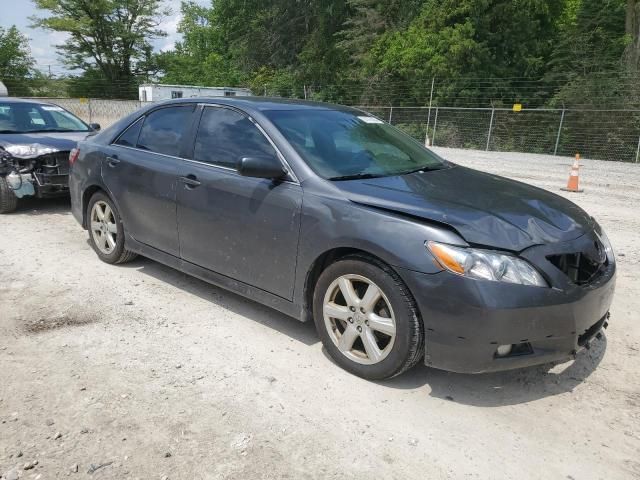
point(141, 171)
point(244, 228)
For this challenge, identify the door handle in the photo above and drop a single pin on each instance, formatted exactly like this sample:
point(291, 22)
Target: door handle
point(112, 161)
point(190, 181)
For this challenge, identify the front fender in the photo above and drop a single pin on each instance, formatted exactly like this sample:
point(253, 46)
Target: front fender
point(396, 239)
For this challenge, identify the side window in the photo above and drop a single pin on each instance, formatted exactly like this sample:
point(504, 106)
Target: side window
point(62, 120)
point(225, 136)
point(129, 138)
point(163, 129)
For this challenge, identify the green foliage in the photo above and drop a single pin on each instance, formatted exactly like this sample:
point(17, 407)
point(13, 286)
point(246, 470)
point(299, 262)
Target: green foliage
point(106, 36)
point(462, 41)
point(16, 64)
point(200, 58)
point(384, 52)
point(587, 62)
point(388, 52)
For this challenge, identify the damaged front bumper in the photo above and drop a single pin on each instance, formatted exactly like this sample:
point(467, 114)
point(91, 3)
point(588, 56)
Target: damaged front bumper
point(35, 170)
point(476, 326)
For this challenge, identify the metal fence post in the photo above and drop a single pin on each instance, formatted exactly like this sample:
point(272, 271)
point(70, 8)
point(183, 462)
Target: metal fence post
point(390, 113)
point(426, 133)
point(435, 125)
point(90, 110)
point(555, 151)
point(493, 111)
point(638, 151)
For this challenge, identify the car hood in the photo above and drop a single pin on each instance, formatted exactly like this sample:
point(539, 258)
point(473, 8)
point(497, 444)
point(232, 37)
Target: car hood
point(484, 209)
point(45, 141)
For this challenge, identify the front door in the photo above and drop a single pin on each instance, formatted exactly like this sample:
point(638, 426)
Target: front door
point(141, 171)
point(244, 228)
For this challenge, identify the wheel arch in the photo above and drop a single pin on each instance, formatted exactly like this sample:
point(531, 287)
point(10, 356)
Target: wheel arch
point(89, 192)
point(321, 263)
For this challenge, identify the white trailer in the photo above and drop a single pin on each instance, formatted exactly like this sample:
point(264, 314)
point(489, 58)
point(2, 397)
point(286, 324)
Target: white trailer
point(154, 92)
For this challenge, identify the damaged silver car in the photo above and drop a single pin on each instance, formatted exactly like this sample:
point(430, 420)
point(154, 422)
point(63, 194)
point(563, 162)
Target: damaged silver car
point(36, 139)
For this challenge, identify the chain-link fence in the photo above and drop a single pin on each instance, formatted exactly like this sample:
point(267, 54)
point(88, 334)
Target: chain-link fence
point(596, 134)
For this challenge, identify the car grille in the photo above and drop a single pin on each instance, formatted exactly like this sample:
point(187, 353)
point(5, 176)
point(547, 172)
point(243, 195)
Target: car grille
point(582, 268)
point(53, 169)
point(56, 162)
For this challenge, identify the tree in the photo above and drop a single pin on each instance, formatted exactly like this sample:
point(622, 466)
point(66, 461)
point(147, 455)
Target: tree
point(285, 43)
point(16, 63)
point(201, 57)
point(368, 19)
point(106, 36)
point(587, 61)
point(632, 29)
point(480, 52)
point(462, 41)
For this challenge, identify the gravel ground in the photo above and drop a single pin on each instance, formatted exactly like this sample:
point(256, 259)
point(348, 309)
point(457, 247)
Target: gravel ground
point(139, 371)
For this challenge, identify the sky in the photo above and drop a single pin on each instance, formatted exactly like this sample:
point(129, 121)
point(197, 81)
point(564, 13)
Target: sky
point(17, 12)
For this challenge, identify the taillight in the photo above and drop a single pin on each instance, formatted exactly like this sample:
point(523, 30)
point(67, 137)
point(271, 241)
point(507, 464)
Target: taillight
point(73, 156)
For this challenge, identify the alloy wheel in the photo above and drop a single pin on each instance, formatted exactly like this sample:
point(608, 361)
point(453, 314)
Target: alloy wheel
point(104, 230)
point(359, 319)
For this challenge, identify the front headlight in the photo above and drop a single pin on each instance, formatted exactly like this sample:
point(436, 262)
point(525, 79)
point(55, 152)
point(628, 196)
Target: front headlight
point(606, 243)
point(486, 265)
point(29, 151)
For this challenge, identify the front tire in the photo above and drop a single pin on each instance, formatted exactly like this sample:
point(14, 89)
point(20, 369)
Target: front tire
point(367, 318)
point(8, 199)
point(106, 232)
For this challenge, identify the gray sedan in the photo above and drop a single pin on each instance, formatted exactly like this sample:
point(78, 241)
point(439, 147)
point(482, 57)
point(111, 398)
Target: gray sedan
point(36, 138)
point(329, 214)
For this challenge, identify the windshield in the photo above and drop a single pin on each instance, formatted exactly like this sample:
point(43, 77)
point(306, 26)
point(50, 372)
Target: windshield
point(343, 145)
point(32, 117)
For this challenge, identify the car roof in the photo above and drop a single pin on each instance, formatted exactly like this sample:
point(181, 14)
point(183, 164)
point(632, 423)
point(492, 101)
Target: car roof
point(264, 103)
point(32, 101)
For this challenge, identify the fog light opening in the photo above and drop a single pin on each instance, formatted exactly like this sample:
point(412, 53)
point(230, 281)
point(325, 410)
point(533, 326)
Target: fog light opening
point(503, 350)
point(514, 350)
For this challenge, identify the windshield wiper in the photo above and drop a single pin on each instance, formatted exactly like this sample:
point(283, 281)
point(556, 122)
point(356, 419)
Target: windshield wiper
point(355, 176)
point(9, 131)
point(425, 169)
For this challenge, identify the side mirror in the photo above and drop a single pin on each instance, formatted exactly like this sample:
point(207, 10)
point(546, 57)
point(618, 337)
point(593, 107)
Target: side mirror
point(261, 166)
point(94, 126)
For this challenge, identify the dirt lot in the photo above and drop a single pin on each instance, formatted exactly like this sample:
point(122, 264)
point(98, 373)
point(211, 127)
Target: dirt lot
point(139, 371)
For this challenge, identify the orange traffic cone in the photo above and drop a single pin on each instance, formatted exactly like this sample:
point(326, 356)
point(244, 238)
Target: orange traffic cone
point(572, 184)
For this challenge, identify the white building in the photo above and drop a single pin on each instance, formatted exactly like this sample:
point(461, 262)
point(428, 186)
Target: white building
point(154, 92)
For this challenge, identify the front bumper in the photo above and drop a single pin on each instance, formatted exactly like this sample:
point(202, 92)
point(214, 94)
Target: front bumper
point(466, 320)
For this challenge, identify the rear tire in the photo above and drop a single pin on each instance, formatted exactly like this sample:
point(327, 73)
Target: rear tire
point(106, 231)
point(8, 199)
point(374, 330)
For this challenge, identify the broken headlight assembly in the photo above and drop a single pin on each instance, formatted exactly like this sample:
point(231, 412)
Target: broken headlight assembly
point(29, 151)
point(486, 265)
point(17, 174)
